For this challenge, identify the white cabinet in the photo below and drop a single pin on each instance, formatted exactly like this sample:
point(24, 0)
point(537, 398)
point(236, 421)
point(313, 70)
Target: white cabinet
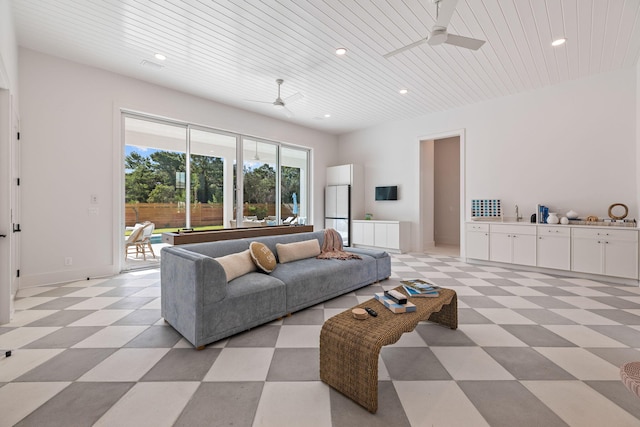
point(390, 235)
point(340, 175)
point(477, 241)
point(515, 244)
point(363, 233)
point(553, 249)
point(352, 175)
point(605, 251)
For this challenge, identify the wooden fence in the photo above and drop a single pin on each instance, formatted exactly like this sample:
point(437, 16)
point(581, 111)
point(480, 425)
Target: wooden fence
point(172, 215)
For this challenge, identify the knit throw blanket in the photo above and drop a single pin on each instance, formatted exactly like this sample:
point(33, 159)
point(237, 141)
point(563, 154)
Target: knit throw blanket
point(332, 247)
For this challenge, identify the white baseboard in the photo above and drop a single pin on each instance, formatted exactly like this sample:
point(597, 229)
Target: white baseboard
point(66, 276)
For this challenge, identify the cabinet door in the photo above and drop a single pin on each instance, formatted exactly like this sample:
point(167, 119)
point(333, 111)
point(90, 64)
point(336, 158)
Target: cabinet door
point(344, 174)
point(380, 235)
point(333, 175)
point(586, 255)
point(477, 245)
point(357, 229)
point(524, 249)
point(393, 236)
point(621, 258)
point(554, 252)
point(500, 247)
point(367, 234)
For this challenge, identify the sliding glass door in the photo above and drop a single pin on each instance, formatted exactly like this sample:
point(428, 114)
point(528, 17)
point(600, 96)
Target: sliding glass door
point(259, 168)
point(155, 173)
point(213, 157)
point(182, 176)
point(294, 184)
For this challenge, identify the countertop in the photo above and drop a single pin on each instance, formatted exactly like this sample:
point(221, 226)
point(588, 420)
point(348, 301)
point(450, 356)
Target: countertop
point(572, 223)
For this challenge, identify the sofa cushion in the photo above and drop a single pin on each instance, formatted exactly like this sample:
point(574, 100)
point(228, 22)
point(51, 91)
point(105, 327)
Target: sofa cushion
point(288, 252)
point(262, 256)
point(236, 265)
point(310, 281)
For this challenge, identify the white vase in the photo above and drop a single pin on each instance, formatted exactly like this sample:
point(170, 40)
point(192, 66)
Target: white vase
point(572, 214)
point(564, 220)
point(553, 218)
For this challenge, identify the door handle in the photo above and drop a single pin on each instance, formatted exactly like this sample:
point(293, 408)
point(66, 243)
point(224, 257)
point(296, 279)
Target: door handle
point(3, 235)
point(16, 228)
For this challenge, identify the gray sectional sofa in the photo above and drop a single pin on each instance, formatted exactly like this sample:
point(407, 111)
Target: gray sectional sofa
point(199, 303)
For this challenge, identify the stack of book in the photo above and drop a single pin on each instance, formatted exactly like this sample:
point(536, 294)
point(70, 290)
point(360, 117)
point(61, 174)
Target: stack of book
point(392, 305)
point(420, 288)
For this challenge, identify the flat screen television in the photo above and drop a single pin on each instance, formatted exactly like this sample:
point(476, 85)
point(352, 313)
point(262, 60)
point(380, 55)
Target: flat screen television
point(387, 193)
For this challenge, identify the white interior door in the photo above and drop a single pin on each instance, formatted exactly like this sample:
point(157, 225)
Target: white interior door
point(15, 206)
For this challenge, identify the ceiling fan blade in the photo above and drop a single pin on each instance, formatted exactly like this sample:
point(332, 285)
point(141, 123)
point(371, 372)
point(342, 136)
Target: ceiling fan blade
point(293, 98)
point(262, 102)
point(287, 112)
point(445, 12)
point(466, 42)
point(407, 47)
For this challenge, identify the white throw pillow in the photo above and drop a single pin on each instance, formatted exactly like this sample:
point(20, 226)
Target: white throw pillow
point(236, 265)
point(288, 252)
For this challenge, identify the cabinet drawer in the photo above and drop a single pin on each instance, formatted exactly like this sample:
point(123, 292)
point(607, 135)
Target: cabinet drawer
point(478, 227)
point(601, 233)
point(513, 229)
point(554, 231)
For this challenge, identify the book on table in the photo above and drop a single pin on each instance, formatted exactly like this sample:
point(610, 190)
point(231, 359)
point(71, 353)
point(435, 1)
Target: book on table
point(394, 306)
point(420, 288)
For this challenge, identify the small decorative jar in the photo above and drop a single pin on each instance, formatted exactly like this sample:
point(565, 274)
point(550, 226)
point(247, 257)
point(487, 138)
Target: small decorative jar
point(572, 214)
point(564, 220)
point(553, 218)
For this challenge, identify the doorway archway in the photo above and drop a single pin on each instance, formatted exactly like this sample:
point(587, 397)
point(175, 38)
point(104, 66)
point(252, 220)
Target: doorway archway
point(428, 210)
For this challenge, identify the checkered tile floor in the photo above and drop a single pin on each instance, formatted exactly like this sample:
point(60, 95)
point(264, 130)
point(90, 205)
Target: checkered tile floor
point(531, 350)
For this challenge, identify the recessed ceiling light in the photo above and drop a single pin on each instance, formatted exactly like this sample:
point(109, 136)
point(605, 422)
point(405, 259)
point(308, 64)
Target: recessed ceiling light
point(558, 42)
point(403, 91)
point(160, 56)
point(327, 115)
point(341, 51)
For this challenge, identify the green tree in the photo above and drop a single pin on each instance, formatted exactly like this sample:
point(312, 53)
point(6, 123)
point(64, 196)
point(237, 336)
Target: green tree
point(139, 178)
point(162, 194)
point(207, 178)
point(290, 184)
point(260, 184)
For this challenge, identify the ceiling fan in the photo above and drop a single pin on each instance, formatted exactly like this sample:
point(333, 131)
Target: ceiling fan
point(439, 34)
point(281, 104)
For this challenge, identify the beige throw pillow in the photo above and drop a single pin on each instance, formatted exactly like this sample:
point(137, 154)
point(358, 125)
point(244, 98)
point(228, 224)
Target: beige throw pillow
point(288, 252)
point(236, 265)
point(262, 256)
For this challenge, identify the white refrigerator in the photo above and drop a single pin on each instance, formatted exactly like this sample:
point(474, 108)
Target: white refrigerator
point(337, 210)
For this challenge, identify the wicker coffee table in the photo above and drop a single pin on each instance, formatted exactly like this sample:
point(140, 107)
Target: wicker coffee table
point(349, 348)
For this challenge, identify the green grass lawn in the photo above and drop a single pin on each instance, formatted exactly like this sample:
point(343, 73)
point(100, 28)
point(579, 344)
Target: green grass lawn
point(175, 229)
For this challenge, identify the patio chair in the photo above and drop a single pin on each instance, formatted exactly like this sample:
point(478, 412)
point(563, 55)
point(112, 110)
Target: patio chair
point(134, 240)
point(147, 232)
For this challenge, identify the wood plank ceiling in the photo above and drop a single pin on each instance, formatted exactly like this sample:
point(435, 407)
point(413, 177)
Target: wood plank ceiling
point(234, 50)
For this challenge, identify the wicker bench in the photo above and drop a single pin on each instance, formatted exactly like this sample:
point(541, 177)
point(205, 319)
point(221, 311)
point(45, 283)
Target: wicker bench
point(630, 375)
point(349, 348)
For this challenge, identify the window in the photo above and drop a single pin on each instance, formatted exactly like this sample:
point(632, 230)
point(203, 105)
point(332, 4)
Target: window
point(179, 175)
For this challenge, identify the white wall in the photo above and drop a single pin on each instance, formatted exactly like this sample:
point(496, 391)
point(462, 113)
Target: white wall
point(71, 149)
point(568, 146)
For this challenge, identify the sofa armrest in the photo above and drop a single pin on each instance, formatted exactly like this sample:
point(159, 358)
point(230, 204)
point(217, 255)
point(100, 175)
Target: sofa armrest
point(189, 281)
